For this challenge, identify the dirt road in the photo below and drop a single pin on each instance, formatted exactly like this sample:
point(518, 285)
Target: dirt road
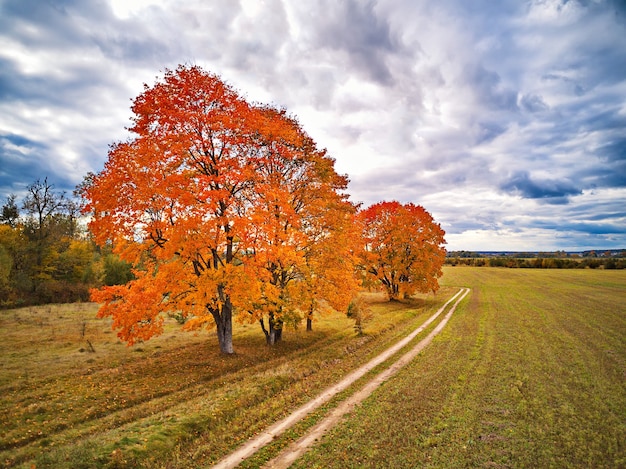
point(296, 449)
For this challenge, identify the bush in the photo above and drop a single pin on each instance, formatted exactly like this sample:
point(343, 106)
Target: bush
point(61, 292)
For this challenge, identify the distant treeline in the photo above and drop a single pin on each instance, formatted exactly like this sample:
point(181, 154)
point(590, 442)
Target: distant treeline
point(611, 259)
point(46, 256)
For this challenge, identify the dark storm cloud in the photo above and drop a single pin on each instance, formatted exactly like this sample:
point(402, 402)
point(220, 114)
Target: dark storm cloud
point(610, 172)
point(608, 127)
point(602, 228)
point(77, 25)
point(57, 77)
point(610, 216)
point(25, 160)
point(354, 28)
point(487, 131)
point(71, 89)
point(533, 103)
point(30, 22)
point(549, 190)
point(614, 151)
point(35, 88)
point(489, 88)
point(20, 164)
point(10, 88)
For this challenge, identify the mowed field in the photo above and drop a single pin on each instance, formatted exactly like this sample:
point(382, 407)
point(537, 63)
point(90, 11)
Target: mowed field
point(529, 372)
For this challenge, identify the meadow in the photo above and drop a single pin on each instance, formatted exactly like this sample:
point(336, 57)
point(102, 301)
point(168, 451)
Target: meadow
point(75, 396)
point(529, 372)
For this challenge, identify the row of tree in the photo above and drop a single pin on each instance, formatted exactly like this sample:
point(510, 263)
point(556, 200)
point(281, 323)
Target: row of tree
point(540, 262)
point(215, 210)
point(228, 211)
point(611, 253)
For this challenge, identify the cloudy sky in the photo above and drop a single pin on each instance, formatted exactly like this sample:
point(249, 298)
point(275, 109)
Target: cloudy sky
point(506, 120)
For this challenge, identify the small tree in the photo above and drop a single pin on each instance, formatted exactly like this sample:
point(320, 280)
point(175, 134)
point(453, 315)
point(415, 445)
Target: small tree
point(42, 203)
point(6, 266)
point(403, 248)
point(10, 212)
point(360, 312)
point(49, 230)
point(115, 271)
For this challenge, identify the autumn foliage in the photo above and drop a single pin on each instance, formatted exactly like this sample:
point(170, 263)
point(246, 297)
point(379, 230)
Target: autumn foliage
point(224, 209)
point(229, 211)
point(403, 248)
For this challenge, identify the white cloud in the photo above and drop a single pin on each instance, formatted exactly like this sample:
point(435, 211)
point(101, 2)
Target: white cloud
point(125, 9)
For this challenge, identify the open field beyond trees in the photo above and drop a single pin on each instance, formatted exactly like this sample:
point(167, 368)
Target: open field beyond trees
point(529, 372)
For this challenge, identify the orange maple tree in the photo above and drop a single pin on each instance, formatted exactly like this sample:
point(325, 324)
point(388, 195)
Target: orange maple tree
point(296, 208)
point(403, 248)
point(215, 202)
point(330, 271)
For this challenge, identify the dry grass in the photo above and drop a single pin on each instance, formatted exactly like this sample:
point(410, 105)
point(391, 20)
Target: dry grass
point(74, 396)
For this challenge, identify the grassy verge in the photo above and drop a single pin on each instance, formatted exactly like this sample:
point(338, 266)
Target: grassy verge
point(74, 396)
point(529, 372)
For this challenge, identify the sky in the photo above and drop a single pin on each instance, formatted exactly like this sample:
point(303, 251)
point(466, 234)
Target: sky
point(506, 120)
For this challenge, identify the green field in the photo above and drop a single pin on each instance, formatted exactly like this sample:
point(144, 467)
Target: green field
point(529, 372)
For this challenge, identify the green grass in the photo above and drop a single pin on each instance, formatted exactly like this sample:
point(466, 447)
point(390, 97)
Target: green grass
point(173, 401)
point(529, 372)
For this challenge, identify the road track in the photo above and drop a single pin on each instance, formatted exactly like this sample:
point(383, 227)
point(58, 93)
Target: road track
point(299, 447)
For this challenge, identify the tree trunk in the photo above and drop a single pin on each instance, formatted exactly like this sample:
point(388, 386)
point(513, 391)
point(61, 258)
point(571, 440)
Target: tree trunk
point(275, 332)
point(309, 318)
point(224, 327)
point(271, 337)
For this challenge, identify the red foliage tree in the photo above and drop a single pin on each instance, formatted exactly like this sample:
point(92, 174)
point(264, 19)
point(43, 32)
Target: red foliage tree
point(403, 248)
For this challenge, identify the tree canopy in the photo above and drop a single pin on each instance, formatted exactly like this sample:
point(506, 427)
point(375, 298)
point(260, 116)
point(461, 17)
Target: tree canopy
point(223, 208)
point(403, 248)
